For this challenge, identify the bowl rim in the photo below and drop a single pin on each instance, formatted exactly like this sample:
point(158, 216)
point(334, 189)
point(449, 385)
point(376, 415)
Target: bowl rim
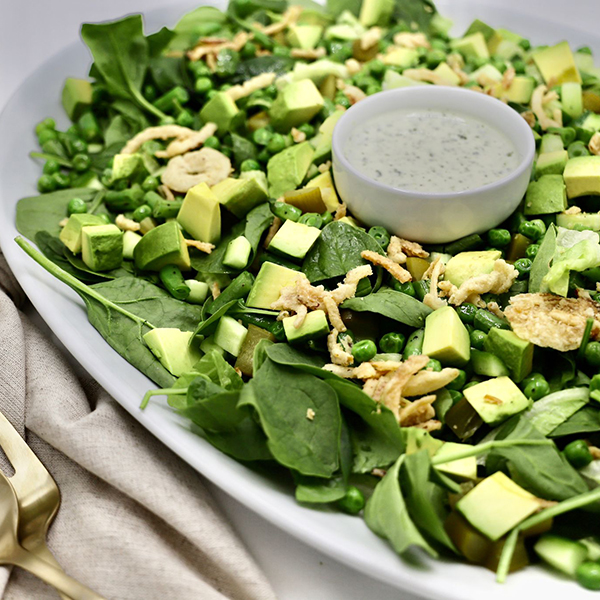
point(525, 164)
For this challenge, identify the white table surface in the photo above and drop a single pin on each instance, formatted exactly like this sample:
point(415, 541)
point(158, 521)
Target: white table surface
point(33, 30)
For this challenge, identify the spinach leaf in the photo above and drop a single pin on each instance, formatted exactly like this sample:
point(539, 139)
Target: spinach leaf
point(77, 262)
point(213, 263)
point(336, 7)
point(178, 401)
point(193, 25)
point(285, 400)
point(586, 420)
point(243, 149)
point(415, 13)
point(387, 515)
point(424, 499)
point(288, 356)
point(149, 302)
point(121, 55)
point(219, 371)
point(44, 212)
point(542, 470)
point(123, 329)
point(103, 159)
point(316, 490)
point(158, 42)
point(370, 449)
point(337, 251)
point(168, 72)
point(394, 305)
point(131, 113)
point(207, 326)
point(118, 131)
point(541, 263)
point(252, 67)
point(551, 411)
point(562, 369)
point(258, 220)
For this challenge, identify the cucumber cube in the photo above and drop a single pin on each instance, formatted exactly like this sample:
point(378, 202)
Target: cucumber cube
point(237, 253)
point(315, 325)
point(230, 335)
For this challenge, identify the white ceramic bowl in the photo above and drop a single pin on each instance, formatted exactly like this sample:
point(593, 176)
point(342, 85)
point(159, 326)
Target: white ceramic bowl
point(427, 217)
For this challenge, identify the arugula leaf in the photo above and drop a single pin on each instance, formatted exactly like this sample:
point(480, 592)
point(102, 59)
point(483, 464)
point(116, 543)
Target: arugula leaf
point(121, 56)
point(337, 251)
point(551, 411)
point(394, 305)
point(387, 515)
point(586, 420)
point(309, 446)
point(44, 212)
point(542, 470)
point(542, 261)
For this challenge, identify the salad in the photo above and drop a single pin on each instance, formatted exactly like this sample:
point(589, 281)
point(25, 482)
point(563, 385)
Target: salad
point(448, 394)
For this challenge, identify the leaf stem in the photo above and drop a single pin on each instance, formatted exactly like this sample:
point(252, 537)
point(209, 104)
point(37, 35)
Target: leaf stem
point(163, 392)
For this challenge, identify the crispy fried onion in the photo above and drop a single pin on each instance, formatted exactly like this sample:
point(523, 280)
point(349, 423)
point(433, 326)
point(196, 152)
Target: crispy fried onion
point(398, 250)
point(540, 97)
point(434, 272)
point(370, 38)
point(308, 53)
point(551, 321)
point(250, 86)
point(392, 383)
point(393, 268)
point(302, 297)
point(498, 281)
point(164, 132)
point(426, 75)
point(202, 246)
point(339, 351)
point(212, 46)
point(353, 93)
point(353, 66)
point(125, 224)
point(185, 171)
point(594, 144)
point(411, 40)
point(190, 142)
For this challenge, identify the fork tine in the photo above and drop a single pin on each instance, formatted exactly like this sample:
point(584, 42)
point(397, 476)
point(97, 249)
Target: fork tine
point(16, 449)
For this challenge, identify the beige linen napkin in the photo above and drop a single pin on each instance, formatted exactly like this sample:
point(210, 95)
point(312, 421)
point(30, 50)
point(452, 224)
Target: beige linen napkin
point(135, 522)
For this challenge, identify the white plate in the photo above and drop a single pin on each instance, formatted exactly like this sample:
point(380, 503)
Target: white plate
point(345, 538)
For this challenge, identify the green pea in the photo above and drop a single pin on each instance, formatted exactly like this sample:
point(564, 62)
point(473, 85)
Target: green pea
point(81, 162)
point(353, 502)
point(458, 383)
point(466, 311)
point(456, 396)
point(249, 50)
point(523, 266)
point(380, 235)
point(185, 118)
point(373, 89)
point(434, 57)
point(364, 350)
point(249, 165)
point(262, 136)
point(307, 129)
point(578, 454)
point(392, 342)
point(577, 149)
point(51, 167)
point(342, 100)
point(281, 51)
point(312, 220)
point(203, 85)
point(519, 66)
point(592, 354)
point(212, 142)
point(150, 93)
point(150, 184)
point(499, 238)
point(62, 181)
point(141, 212)
point(534, 229)
point(434, 365)
point(499, 64)
point(377, 67)
point(78, 146)
point(227, 151)
point(76, 206)
point(405, 288)
point(477, 338)
point(263, 156)
point(476, 62)
point(525, 44)
point(327, 218)
point(277, 143)
point(471, 384)
point(211, 94)
point(106, 177)
point(286, 212)
point(46, 184)
point(45, 135)
point(271, 91)
point(535, 386)
point(588, 575)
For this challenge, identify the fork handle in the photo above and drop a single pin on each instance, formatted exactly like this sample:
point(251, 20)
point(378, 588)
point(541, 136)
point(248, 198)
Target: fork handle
point(52, 576)
point(42, 551)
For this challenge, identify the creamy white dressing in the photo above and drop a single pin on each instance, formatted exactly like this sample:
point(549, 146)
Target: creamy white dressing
point(434, 151)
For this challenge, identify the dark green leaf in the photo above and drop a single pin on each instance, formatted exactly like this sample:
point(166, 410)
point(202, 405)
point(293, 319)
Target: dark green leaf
point(258, 220)
point(213, 263)
point(157, 42)
point(586, 420)
point(370, 449)
point(417, 14)
point(262, 64)
point(316, 490)
point(337, 7)
point(207, 326)
point(191, 27)
point(551, 411)
point(219, 371)
point(168, 72)
point(243, 149)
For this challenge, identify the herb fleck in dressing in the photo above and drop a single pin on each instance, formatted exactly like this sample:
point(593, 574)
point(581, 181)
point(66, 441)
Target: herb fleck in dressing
point(433, 151)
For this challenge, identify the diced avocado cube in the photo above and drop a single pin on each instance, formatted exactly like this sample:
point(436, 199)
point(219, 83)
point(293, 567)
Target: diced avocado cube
point(304, 36)
point(473, 45)
point(102, 247)
point(444, 71)
point(350, 221)
point(579, 221)
point(495, 400)
point(287, 169)
point(489, 71)
point(571, 98)
point(521, 89)
point(557, 63)
point(561, 553)
point(417, 267)
point(260, 177)
point(487, 364)
point(70, 235)
point(500, 38)
point(465, 265)
point(551, 163)
point(322, 141)
point(208, 345)
point(343, 32)
point(239, 196)
point(546, 196)
point(314, 326)
point(125, 165)
point(324, 182)
point(308, 199)
point(401, 57)
point(161, 246)
point(200, 214)
point(294, 240)
point(392, 80)
point(269, 282)
point(497, 505)
point(230, 335)
point(515, 353)
point(220, 110)
point(464, 469)
point(237, 253)
point(295, 104)
point(245, 359)
point(76, 97)
point(478, 26)
point(198, 291)
point(582, 176)
point(551, 142)
point(173, 349)
point(130, 240)
point(376, 12)
point(446, 338)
